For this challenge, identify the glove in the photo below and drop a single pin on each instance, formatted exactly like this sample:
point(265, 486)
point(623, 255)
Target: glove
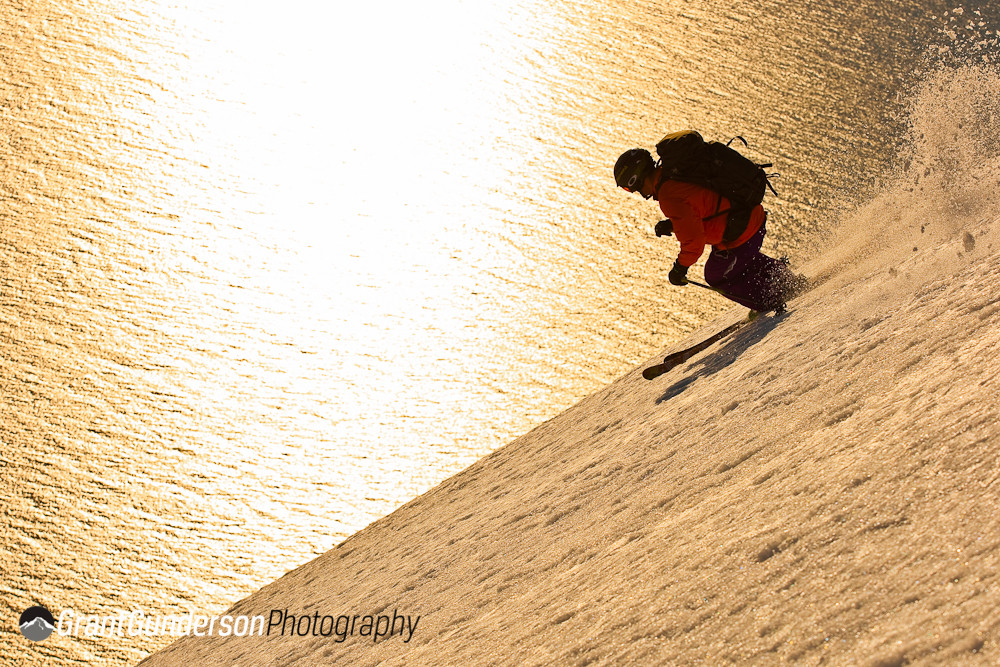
point(678, 274)
point(664, 227)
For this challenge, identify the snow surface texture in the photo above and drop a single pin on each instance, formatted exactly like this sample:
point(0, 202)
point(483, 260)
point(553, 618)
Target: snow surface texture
point(822, 487)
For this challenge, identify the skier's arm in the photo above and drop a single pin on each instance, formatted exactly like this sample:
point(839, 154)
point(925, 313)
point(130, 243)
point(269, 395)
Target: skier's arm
point(688, 228)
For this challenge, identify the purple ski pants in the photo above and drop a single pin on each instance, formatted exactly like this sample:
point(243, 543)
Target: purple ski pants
point(748, 277)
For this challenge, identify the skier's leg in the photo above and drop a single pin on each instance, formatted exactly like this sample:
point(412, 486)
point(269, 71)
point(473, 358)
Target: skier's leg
point(749, 277)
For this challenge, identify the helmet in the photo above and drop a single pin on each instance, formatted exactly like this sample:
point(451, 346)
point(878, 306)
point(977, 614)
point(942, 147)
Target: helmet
point(632, 167)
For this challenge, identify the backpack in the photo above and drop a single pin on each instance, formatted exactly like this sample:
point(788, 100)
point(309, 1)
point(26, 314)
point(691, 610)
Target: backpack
point(685, 156)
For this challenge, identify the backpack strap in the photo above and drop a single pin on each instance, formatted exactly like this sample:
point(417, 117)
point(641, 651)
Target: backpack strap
point(768, 177)
point(762, 165)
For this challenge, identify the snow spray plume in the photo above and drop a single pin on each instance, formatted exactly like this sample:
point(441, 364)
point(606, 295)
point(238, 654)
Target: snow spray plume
point(948, 181)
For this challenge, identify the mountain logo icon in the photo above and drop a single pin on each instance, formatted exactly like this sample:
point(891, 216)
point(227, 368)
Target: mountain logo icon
point(37, 624)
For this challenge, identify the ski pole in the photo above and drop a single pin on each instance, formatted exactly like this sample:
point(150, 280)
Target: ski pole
point(709, 287)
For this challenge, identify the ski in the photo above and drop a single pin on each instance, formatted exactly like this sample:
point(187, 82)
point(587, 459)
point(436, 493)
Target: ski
point(801, 286)
point(677, 358)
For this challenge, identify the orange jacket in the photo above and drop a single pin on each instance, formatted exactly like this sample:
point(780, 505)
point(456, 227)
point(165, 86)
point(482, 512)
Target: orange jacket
point(691, 208)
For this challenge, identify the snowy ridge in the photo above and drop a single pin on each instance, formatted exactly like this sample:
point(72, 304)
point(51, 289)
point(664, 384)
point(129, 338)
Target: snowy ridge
point(820, 487)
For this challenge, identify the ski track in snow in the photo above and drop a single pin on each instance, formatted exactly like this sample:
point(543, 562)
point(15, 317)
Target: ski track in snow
point(821, 487)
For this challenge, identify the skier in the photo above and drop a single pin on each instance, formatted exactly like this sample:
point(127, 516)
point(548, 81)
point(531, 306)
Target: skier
point(699, 217)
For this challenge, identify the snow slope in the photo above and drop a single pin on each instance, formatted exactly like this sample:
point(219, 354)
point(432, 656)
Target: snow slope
point(822, 487)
